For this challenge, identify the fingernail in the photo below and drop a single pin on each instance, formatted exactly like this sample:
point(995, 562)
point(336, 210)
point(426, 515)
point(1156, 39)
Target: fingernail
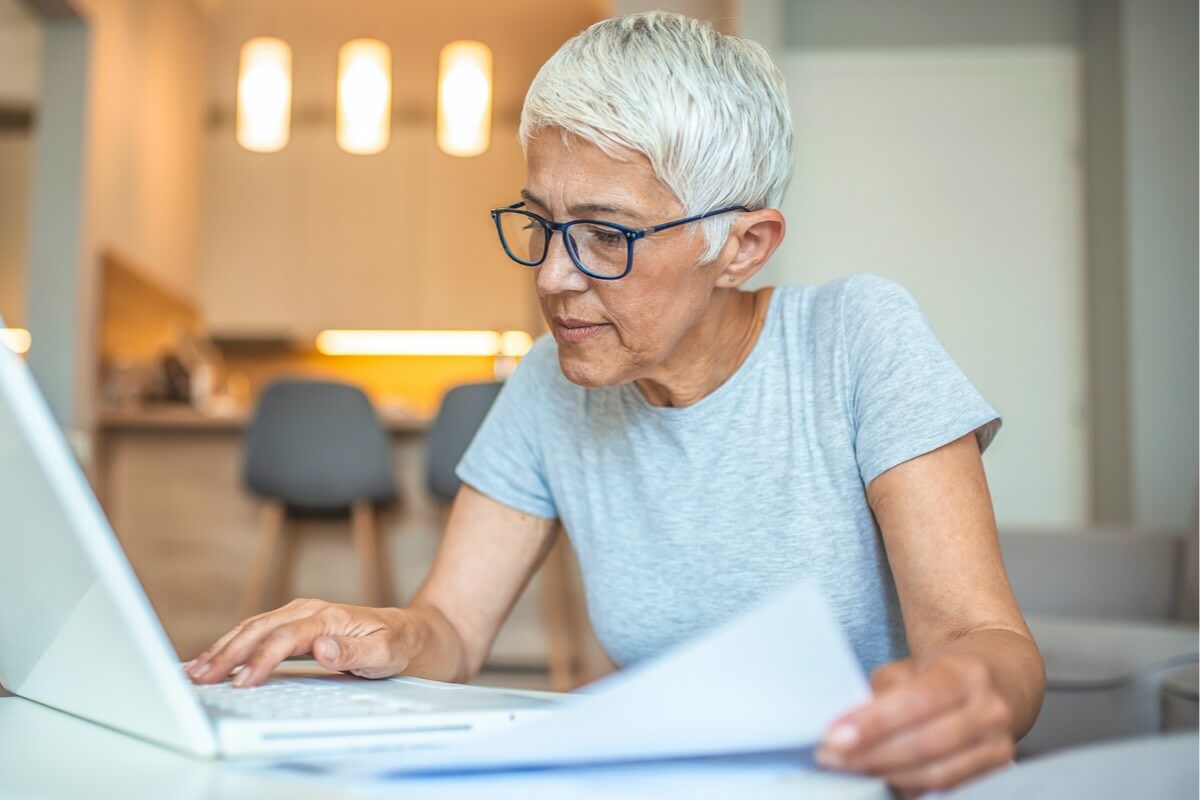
point(200, 671)
point(329, 649)
point(842, 737)
point(241, 678)
point(827, 758)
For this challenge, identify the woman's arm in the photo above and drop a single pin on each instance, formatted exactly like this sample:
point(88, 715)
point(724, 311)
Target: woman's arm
point(485, 560)
point(975, 681)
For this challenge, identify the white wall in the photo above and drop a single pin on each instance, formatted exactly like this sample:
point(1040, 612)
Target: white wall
point(1159, 48)
point(55, 312)
point(954, 172)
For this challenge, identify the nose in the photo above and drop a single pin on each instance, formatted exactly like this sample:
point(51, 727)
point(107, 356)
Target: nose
point(557, 273)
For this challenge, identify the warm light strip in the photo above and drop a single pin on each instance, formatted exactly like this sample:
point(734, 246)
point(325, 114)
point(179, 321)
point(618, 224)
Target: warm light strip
point(16, 339)
point(464, 123)
point(423, 343)
point(515, 344)
point(364, 96)
point(264, 95)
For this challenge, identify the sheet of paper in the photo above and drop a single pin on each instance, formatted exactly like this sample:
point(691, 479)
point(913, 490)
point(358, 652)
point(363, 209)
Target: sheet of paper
point(763, 777)
point(769, 680)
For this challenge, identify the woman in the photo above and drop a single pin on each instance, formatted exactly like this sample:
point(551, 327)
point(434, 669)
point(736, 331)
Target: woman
point(705, 445)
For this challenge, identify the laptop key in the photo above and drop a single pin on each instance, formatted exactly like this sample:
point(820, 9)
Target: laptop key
point(302, 699)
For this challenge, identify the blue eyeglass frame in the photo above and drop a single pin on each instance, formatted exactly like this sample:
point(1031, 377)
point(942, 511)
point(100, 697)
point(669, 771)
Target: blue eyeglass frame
point(631, 235)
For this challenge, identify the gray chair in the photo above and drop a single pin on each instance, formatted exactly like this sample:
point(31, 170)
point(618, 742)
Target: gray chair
point(1109, 610)
point(316, 448)
point(462, 411)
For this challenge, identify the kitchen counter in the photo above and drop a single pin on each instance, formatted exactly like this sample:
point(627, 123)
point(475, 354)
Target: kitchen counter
point(170, 480)
point(182, 418)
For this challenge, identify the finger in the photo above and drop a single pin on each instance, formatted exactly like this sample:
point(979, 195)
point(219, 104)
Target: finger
point(291, 639)
point(923, 697)
point(219, 643)
point(842, 731)
point(367, 657)
point(952, 770)
point(892, 674)
point(239, 648)
point(288, 612)
point(933, 740)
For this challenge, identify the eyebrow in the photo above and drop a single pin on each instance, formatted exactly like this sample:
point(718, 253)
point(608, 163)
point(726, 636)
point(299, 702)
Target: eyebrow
point(583, 208)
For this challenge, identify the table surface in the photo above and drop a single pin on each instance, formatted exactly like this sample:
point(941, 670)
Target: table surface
point(46, 753)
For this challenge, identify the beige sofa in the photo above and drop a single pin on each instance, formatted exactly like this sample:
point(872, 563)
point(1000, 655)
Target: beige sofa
point(1114, 613)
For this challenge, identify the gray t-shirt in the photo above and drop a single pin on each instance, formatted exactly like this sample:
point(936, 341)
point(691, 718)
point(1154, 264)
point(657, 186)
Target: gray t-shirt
point(682, 517)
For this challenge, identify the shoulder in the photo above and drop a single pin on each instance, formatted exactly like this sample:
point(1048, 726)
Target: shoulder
point(850, 301)
point(865, 297)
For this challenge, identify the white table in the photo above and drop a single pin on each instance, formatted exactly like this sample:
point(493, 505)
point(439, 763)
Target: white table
point(48, 754)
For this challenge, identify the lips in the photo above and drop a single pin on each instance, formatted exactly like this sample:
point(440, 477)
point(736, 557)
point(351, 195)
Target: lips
point(574, 331)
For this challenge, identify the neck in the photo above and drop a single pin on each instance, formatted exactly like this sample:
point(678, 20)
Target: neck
point(711, 351)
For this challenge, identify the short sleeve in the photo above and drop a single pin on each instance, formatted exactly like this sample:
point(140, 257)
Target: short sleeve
point(907, 396)
point(505, 459)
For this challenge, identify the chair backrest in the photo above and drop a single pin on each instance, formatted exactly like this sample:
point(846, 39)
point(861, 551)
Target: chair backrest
point(317, 446)
point(459, 417)
point(1101, 573)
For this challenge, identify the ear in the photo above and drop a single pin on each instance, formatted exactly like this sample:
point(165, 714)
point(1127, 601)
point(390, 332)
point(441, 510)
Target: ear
point(751, 242)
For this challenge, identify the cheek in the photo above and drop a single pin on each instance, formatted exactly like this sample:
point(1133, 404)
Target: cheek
point(650, 311)
point(658, 308)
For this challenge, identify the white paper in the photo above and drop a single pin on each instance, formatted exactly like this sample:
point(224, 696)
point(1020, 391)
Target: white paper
point(769, 777)
point(772, 679)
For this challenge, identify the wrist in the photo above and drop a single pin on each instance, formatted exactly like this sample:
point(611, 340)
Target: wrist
point(435, 649)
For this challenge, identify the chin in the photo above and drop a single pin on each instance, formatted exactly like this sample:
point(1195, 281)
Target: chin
point(590, 373)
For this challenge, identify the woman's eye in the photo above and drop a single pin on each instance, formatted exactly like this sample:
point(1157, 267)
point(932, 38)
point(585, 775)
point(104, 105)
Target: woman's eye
point(605, 237)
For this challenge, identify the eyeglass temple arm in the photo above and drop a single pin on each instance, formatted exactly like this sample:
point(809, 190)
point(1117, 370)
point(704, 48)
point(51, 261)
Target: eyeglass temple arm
point(695, 218)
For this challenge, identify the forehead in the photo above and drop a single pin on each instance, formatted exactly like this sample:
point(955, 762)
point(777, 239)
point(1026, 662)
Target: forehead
point(566, 172)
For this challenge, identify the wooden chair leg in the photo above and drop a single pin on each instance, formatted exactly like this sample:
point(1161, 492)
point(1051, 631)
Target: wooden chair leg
point(373, 575)
point(270, 527)
point(383, 562)
point(556, 614)
point(576, 613)
point(280, 591)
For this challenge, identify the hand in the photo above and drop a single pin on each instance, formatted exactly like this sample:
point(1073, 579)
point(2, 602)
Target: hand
point(928, 727)
point(369, 642)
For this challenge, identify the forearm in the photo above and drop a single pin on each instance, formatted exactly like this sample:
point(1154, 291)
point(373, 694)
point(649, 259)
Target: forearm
point(486, 558)
point(1015, 665)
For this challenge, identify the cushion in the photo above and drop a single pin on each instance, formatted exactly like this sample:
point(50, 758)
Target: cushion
point(1104, 680)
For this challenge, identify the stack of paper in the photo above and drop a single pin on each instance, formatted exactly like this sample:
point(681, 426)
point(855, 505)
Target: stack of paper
point(771, 680)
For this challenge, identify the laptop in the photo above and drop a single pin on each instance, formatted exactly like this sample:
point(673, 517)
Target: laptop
point(78, 633)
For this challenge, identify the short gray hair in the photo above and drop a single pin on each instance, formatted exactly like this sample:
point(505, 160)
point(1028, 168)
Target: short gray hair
point(708, 110)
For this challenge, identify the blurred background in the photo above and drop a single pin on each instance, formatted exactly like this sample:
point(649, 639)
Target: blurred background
point(201, 197)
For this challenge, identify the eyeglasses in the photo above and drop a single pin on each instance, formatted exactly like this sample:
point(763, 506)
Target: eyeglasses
point(601, 250)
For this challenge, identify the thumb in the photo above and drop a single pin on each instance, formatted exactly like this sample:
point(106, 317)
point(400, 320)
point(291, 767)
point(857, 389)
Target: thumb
point(891, 675)
point(348, 654)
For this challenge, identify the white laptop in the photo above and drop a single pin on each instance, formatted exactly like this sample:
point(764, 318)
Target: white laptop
point(77, 632)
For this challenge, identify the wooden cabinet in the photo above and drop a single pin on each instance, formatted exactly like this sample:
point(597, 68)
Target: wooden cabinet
point(312, 237)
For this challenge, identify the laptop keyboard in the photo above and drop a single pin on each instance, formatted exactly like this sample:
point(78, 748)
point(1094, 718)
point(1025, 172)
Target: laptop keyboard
point(303, 698)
